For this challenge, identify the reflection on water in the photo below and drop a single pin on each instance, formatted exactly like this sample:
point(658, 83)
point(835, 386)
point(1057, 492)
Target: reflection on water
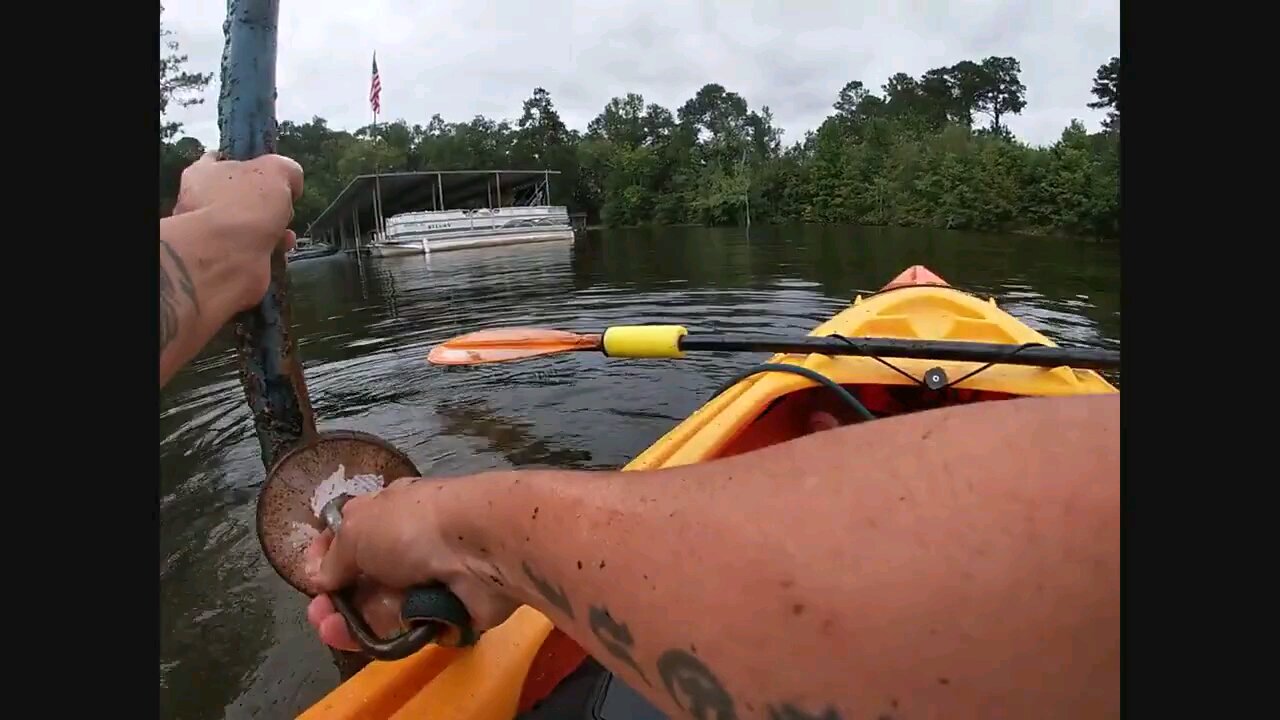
point(234, 640)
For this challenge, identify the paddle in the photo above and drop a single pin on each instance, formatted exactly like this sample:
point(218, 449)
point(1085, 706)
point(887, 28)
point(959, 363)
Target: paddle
point(672, 341)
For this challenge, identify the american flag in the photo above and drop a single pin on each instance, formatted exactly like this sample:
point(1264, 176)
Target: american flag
point(375, 88)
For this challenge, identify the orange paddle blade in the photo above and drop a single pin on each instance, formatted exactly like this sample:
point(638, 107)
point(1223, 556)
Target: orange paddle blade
point(507, 344)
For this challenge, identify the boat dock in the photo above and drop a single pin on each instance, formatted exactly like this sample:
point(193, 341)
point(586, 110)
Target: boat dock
point(429, 211)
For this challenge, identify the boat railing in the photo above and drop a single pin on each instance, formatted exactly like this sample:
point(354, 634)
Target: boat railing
point(519, 209)
point(539, 195)
point(412, 226)
point(428, 216)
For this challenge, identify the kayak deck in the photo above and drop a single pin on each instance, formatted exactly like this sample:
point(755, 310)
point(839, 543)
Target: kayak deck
point(515, 665)
point(763, 409)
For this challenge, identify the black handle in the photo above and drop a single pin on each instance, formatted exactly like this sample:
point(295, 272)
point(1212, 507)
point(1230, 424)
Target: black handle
point(437, 605)
point(434, 613)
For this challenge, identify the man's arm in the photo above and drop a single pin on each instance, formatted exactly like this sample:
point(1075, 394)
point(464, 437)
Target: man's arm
point(200, 288)
point(959, 563)
point(215, 250)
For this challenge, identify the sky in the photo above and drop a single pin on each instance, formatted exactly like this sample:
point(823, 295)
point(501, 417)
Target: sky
point(460, 58)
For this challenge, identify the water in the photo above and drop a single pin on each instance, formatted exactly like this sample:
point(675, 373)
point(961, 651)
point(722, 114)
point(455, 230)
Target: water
point(234, 640)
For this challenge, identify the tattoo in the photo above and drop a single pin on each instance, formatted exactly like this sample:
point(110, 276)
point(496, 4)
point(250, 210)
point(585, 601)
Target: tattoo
point(704, 697)
point(616, 638)
point(554, 595)
point(791, 712)
point(169, 289)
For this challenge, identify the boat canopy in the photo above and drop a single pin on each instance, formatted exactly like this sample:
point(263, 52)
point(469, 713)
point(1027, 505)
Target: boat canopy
point(423, 190)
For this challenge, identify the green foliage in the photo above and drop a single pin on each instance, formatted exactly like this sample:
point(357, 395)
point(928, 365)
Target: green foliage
point(907, 156)
point(1106, 87)
point(1078, 190)
point(998, 91)
point(176, 85)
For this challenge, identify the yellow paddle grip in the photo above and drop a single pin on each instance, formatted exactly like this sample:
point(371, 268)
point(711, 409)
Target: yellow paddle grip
point(644, 341)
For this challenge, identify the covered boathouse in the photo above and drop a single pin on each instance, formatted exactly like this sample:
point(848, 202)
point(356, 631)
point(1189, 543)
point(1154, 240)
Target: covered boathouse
point(355, 219)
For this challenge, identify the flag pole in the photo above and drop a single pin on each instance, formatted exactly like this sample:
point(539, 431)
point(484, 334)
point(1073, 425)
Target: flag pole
point(377, 183)
point(375, 102)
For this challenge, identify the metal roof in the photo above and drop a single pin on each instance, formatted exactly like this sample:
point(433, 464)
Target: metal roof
point(406, 191)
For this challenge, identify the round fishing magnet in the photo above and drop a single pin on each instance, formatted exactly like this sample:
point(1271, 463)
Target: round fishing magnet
point(287, 522)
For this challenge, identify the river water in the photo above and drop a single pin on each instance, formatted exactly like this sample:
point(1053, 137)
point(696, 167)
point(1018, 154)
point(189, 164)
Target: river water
point(234, 641)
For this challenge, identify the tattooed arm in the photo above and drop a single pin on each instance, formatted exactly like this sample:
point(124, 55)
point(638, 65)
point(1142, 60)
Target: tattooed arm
point(215, 250)
point(199, 290)
point(910, 567)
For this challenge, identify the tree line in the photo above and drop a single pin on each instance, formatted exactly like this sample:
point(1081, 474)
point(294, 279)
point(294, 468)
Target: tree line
point(928, 151)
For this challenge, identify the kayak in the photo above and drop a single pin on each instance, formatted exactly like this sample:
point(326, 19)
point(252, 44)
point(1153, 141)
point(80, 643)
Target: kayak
point(527, 669)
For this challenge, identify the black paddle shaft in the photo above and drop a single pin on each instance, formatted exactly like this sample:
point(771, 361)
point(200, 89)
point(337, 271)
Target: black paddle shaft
point(954, 350)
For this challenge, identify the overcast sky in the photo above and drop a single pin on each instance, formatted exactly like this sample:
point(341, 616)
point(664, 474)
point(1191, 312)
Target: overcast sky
point(460, 58)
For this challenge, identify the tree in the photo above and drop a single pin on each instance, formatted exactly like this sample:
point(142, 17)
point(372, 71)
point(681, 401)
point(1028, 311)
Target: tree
point(1002, 92)
point(851, 97)
point(1106, 87)
point(541, 129)
point(938, 98)
point(765, 139)
point(719, 113)
point(969, 81)
point(924, 104)
point(910, 157)
point(658, 124)
point(176, 84)
point(621, 122)
point(902, 95)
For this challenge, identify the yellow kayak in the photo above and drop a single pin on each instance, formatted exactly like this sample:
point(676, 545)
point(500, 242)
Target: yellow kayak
point(528, 669)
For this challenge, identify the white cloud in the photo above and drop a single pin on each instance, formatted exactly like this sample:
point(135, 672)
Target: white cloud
point(462, 58)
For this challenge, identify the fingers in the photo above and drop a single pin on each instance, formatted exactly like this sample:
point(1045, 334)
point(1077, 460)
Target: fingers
point(320, 608)
point(295, 177)
point(290, 239)
point(334, 633)
point(277, 167)
point(280, 166)
point(330, 560)
point(288, 169)
point(337, 567)
point(329, 625)
point(314, 556)
point(379, 606)
point(190, 178)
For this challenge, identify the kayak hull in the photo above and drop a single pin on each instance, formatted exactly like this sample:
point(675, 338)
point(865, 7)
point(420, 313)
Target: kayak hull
point(524, 659)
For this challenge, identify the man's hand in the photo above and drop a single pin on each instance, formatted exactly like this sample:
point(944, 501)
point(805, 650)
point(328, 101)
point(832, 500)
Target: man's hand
point(394, 539)
point(250, 205)
point(215, 250)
